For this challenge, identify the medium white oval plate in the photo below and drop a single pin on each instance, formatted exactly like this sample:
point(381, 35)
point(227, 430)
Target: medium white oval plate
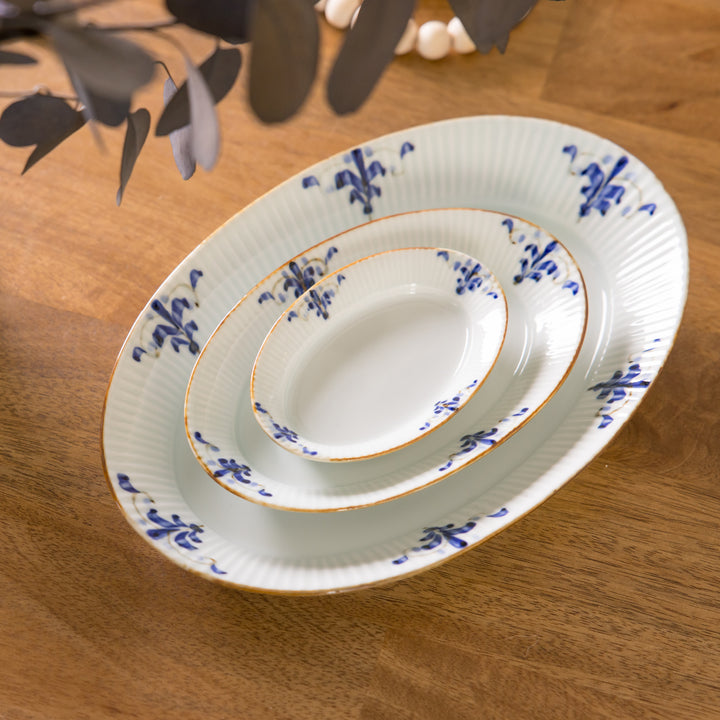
point(546, 320)
point(373, 357)
point(608, 209)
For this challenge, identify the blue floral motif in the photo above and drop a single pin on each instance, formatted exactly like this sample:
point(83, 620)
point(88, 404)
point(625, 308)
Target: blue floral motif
point(438, 536)
point(540, 262)
point(239, 473)
point(434, 536)
point(617, 388)
point(470, 442)
point(176, 531)
point(361, 188)
point(284, 434)
point(200, 439)
point(125, 484)
point(471, 275)
point(184, 535)
point(229, 469)
point(519, 413)
point(298, 277)
point(571, 285)
point(362, 177)
point(607, 184)
point(317, 301)
point(171, 324)
point(473, 441)
point(444, 408)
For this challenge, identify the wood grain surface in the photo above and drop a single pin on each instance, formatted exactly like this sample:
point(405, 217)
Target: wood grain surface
point(602, 603)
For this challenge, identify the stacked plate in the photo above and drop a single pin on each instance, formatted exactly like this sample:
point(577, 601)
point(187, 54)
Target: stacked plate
point(394, 355)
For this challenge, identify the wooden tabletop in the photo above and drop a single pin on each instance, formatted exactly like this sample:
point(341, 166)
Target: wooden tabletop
point(602, 603)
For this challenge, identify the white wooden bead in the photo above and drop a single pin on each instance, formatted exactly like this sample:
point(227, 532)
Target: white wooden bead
point(407, 41)
point(339, 12)
point(320, 5)
point(354, 17)
point(461, 41)
point(433, 40)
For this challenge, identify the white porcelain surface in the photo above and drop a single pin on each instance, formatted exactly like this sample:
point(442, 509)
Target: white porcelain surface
point(604, 204)
point(373, 356)
point(546, 323)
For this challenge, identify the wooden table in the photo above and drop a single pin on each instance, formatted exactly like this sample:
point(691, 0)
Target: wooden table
point(603, 603)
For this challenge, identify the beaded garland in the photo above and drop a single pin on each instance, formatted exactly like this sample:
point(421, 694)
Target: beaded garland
point(432, 40)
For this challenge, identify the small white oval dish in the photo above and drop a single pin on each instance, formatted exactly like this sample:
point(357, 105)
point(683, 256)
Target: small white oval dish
point(374, 356)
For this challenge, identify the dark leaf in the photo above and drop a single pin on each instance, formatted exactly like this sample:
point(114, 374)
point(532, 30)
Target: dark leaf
point(15, 58)
point(138, 126)
point(34, 119)
point(220, 71)
point(227, 19)
point(489, 22)
point(52, 141)
point(368, 48)
point(284, 57)
point(203, 119)
point(86, 99)
point(181, 139)
point(107, 65)
point(108, 111)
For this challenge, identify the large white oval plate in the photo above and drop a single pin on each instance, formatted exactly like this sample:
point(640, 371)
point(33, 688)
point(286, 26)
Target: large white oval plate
point(607, 208)
point(546, 322)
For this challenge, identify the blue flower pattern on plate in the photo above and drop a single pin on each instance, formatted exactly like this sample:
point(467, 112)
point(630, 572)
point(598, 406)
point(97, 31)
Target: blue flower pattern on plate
point(317, 301)
point(362, 177)
point(167, 321)
point(229, 469)
point(471, 276)
point(470, 442)
point(609, 183)
point(540, 261)
point(475, 441)
point(181, 536)
point(282, 433)
point(439, 537)
point(297, 277)
point(619, 389)
point(445, 408)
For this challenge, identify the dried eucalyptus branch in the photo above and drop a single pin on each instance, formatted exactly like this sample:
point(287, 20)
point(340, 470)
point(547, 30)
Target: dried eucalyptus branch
point(106, 69)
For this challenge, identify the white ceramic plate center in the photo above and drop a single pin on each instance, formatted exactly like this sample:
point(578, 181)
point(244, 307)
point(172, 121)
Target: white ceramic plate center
point(378, 369)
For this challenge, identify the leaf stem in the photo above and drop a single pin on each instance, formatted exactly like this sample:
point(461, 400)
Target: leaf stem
point(166, 68)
